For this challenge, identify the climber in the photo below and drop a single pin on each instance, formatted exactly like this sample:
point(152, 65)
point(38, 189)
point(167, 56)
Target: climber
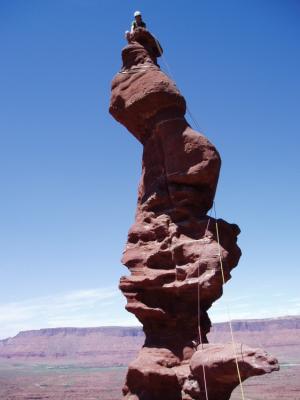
point(136, 23)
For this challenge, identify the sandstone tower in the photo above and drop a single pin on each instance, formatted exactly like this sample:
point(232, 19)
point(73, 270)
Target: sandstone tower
point(173, 252)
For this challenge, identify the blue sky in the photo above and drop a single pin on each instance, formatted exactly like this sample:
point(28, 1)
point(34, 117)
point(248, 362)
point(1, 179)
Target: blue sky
point(69, 172)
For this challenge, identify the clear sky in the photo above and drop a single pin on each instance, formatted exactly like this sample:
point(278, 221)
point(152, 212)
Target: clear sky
point(69, 172)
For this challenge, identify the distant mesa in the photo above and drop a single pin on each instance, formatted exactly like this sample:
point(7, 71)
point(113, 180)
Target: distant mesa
point(113, 346)
point(105, 346)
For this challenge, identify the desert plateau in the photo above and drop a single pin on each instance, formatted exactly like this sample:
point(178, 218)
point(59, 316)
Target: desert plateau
point(91, 363)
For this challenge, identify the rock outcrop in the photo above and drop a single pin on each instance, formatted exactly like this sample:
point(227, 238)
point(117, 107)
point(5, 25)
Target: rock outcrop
point(172, 251)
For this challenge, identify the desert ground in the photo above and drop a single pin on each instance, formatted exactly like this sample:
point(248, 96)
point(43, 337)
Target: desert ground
point(40, 365)
point(71, 382)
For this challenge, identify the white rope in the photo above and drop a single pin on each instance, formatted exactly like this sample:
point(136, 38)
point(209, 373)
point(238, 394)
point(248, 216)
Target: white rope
point(227, 308)
point(172, 77)
point(199, 313)
point(135, 69)
point(220, 260)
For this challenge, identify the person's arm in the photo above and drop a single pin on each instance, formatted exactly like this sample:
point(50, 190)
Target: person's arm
point(132, 27)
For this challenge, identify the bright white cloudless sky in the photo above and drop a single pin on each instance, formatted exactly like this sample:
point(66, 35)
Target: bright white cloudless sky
point(69, 172)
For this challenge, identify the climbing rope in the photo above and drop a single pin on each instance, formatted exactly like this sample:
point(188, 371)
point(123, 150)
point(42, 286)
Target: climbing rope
point(220, 260)
point(227, 308)
point(172, 77)
point(134, 69)
point(199, 310)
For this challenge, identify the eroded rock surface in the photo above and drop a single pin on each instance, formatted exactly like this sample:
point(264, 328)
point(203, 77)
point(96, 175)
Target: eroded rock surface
point(172, 251)
point(217, 365)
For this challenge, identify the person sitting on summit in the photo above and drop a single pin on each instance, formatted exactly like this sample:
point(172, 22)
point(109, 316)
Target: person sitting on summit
point(136, 23)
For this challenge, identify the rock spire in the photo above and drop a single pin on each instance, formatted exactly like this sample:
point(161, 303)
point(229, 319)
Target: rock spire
point(172, 251)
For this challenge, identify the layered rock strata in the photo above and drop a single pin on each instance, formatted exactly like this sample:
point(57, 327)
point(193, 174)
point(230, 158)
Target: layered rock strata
point(172, 251)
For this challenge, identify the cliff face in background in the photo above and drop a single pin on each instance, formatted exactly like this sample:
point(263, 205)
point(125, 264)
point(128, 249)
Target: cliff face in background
point(71, 357)
point(112, 346)
point(105, 346)
point(174, 251)
point(263, 325)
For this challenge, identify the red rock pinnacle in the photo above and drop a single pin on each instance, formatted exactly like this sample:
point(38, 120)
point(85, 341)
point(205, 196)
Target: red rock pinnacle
point(172, 249)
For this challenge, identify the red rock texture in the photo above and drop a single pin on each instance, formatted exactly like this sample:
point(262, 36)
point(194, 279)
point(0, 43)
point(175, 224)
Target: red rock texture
point(218, 363)
point(172, 250)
